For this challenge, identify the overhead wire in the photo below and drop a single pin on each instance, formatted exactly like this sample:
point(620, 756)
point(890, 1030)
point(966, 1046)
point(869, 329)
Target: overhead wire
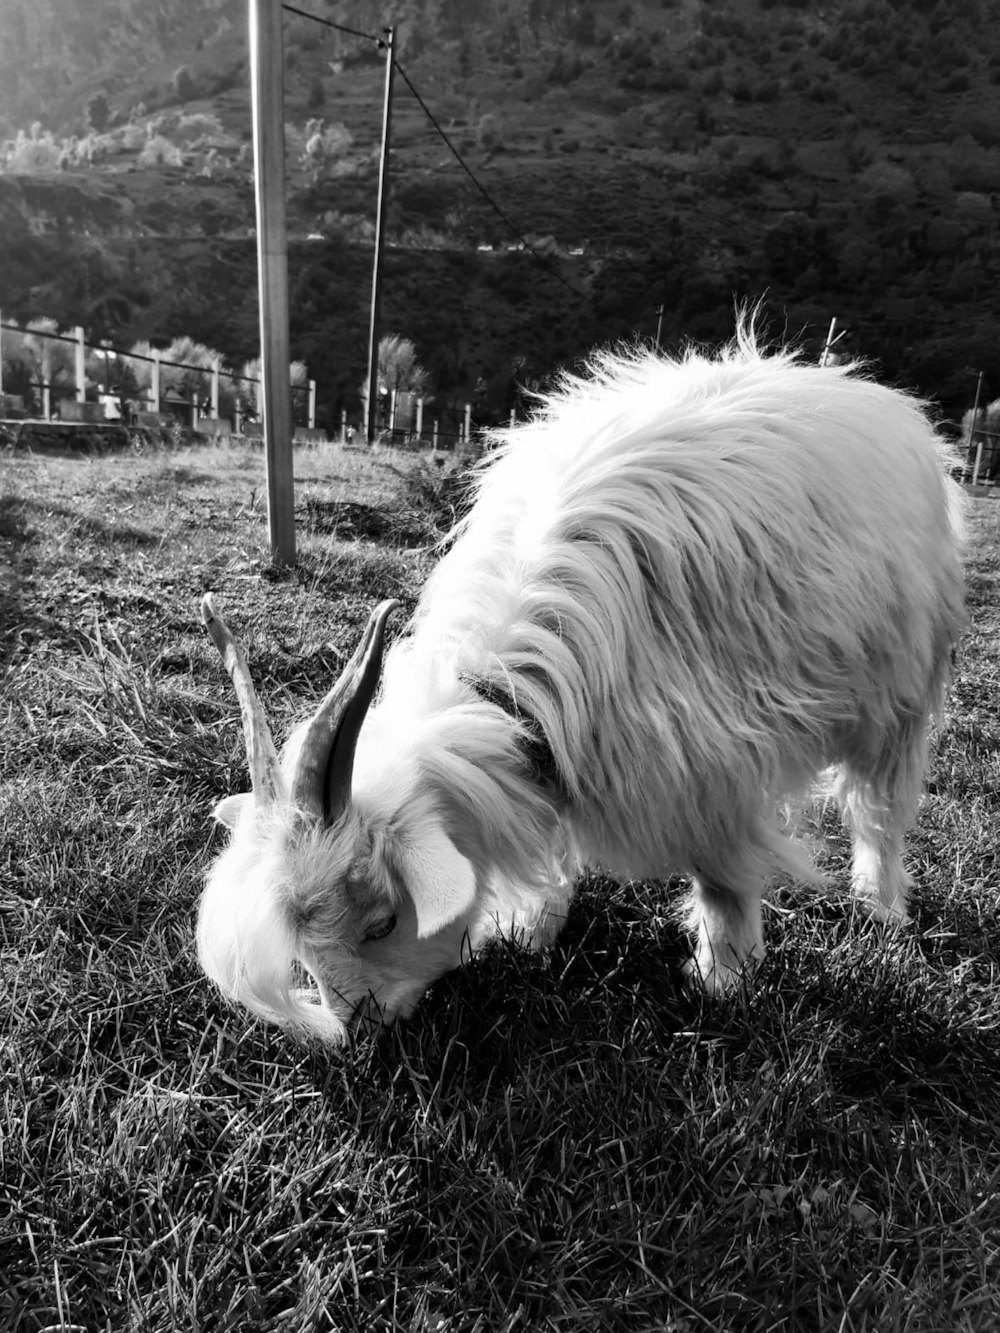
point(543, 260)
point(124, 354)
point(339, 27)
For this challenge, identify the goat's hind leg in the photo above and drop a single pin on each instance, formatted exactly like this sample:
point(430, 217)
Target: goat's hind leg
point(879, 792)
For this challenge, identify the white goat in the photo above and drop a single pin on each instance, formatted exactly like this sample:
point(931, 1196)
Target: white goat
point(684, 589)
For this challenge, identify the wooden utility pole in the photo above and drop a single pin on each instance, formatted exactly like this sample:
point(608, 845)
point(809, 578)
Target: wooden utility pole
point(374, 328)
point(830, 340)
point(266, 60)
point(972, 431)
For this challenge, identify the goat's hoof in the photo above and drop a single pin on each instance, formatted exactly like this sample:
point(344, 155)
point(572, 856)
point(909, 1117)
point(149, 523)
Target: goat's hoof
point(714, 979)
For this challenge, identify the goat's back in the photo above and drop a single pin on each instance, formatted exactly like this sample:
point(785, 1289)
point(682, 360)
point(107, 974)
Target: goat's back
point(701, 577)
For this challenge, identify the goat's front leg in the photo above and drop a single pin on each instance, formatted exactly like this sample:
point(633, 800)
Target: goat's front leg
point(730, 934)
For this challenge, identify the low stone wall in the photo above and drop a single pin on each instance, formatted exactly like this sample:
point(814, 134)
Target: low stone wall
point(77, 437)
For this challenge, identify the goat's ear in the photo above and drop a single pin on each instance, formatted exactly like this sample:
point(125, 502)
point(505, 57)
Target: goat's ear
point(441, 882)
point(228, 811)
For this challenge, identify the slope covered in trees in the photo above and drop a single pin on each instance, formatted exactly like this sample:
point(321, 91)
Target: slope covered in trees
point(836, 161)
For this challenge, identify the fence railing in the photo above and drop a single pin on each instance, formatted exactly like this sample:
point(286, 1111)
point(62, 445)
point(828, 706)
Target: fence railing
point(154, 398)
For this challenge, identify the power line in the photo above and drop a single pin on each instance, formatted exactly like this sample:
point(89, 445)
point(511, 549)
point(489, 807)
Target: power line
point(338, 27)
point(513, 227)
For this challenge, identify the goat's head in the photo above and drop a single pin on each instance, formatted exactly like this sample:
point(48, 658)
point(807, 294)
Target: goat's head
point(365, 890)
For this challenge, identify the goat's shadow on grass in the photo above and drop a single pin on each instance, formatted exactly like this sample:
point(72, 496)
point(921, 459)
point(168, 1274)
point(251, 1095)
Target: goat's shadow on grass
point(615, 970)
point(614, 983)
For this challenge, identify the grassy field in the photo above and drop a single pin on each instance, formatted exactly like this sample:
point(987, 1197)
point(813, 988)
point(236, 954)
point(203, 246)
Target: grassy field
point(572, 1142)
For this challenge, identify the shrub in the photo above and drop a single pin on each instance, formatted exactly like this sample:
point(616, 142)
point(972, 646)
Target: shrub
point(489, 130)
point(440, 496)
point(131, 137)
point(37, 152)
point(713, 84)
point(160, 152)
point(199, 125)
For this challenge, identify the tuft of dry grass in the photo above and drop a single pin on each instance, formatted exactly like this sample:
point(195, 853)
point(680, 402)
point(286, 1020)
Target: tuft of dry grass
point(569, 1142)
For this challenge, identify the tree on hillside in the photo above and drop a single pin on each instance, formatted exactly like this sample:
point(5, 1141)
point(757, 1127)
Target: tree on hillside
point(398, 367)
point(249, 389)
point(192, 377)
point(18, 366)
point(183, 83)
point(32, 360)
point(54, 361)
point(324, 145)
point(398, 371)
point(98, 113)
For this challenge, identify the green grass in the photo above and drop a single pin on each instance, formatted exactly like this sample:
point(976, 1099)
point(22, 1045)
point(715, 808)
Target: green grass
point(571, 1142)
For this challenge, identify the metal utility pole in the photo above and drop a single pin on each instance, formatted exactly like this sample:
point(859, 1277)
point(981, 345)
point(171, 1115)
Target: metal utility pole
point(266, 60)
point(374, 328)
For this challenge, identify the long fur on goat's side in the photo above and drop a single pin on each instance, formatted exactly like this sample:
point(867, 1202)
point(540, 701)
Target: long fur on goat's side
point(705, 580)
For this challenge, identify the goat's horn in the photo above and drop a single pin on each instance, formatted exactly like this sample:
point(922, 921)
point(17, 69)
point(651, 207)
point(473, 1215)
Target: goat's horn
point(322, 782)
point(262, 758)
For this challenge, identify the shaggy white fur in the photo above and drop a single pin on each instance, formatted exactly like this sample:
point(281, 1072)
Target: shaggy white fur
point(705, 580)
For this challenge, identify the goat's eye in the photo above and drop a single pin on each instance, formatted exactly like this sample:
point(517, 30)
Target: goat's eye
point(381, 928)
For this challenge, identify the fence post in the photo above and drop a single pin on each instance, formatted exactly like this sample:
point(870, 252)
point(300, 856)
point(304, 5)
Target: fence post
point(972, 431)
point(312, 404)
point(513, 418)
point(215, 389)
point(45, 379)
point(468, 422)
point(155, 384)
point(420, 417)
point(81, 386)
point(343, 425)
point(434, 439)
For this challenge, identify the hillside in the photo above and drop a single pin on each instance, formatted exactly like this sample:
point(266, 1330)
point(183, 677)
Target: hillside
point(836, 160)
